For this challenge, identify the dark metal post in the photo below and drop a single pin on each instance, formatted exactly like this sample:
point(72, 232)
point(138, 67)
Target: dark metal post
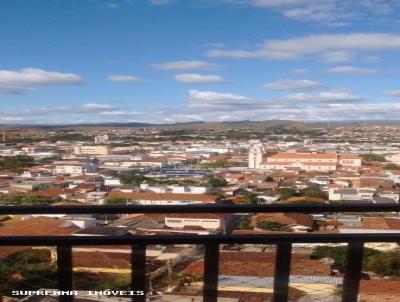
point(64, 271)
point(282, 272)
point(352, 276)
point(138, 268)
point(211, 264)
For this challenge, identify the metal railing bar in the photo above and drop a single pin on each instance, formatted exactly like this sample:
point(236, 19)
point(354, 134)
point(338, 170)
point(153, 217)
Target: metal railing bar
point(138, 271)
point(197, 208)
point(64, 271)
point(199, 239)
point(211, 265)
point(282, 272)
point(353, 273)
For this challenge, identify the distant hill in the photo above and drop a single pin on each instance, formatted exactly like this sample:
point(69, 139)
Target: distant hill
point(201, 125)
point(254, 125)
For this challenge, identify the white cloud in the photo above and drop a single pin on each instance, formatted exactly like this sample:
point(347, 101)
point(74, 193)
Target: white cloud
point(327, 11)
point(352, 70)
point(324, 96)
point(95, 106)
point(221, 100)
point(288, 84)
point(315, 45)
point(394, 93)
point(299, 70)
point(160, 2)
point(276, 3)
point(198, 78)
point(338, 56)
point(25, 80)
point(123, 78)
point(183, 65)
point(372, 59)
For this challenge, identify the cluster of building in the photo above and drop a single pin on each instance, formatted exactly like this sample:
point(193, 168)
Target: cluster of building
point(199, 171)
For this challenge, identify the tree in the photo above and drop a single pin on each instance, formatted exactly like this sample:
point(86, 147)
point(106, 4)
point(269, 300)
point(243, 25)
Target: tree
point(286, 193)
point(16, 163)
point(373, 157)
point(115, 200)
point(272, 226)
point(251, 198)
point(17, 199)
point(245, 223)
point(26, 269)
point(339, 253)
point(217, 182)
point(222, 163)
point(132, 179)
point(384, 264)
point(49, 159)
point(392, 166)
point(314, 191)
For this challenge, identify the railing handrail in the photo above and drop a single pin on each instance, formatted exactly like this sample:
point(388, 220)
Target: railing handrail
point(198, 208)
point(138, 243)
point(269, 238)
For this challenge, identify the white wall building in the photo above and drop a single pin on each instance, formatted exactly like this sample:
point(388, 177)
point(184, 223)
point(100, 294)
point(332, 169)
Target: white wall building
point(323, 162)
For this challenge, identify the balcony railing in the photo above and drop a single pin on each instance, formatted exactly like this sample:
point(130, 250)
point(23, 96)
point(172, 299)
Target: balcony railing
point(284, 242)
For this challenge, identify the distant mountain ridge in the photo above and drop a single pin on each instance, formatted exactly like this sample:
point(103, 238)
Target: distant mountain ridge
point(187, 125)
point(244, 124)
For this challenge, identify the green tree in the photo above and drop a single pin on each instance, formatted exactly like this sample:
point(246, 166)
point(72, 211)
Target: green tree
point(392, 166)
point(49, 159)
point(115, 282)
point(16, 163)
point(115, 200)
point(18, 199)
point(314, 191)
point(217, 182)
point(384, 264)
point(222, 163)
point(252, 198)
point(373, 157)
point(286, 193)
point(245, 223)
point(339, 253)
point(272, 226)
point(132, 179)
point(26, 270)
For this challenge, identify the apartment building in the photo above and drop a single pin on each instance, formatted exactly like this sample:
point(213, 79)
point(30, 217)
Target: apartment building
point(91, 150)
point(324, 162)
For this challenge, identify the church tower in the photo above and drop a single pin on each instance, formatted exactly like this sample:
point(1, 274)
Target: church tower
point(256, 153)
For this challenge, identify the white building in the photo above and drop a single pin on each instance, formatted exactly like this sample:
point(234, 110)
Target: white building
point(256, 154)
point(323, 162)
point(101, 139)
point(174, 189)
point(91, 150)
point(72, 170)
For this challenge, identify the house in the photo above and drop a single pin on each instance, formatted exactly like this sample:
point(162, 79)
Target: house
point(323, 162)
point(149, 198)
point(36, 226)
point(200, 221)
point(174, 189)
point(91, 150)
point(254, 272)
point(378, 290)
point(297, 222)
point(375, 225)
point(346, 194)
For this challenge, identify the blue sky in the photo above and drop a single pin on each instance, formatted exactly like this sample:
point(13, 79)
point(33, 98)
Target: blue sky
point(164, 61)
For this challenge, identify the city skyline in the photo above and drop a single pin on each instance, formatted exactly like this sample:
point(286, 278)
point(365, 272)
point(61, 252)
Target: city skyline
point(160, 61)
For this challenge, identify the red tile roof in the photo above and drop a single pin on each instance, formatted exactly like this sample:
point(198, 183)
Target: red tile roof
point(164, 196)
point(261, 265)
